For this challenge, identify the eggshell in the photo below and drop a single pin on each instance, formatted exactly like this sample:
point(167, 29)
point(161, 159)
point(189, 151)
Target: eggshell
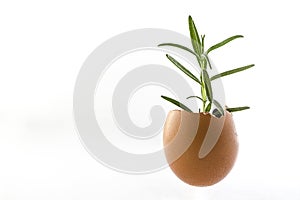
point(183, 137)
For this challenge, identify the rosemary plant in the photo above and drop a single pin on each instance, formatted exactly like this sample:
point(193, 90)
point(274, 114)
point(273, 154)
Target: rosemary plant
point(203, 79)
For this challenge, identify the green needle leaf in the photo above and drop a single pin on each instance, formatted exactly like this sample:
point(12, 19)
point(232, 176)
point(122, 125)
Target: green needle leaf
point(177, 103)
point(182, 68)
point(219, 107)
point(208, 107)
point(207, 85)
point(223, 43)
point(194, 36)
point(207, 59)
point(195, 97)
point(202, 43)
point(231, 72)
point(237, 109)
point(181, 47)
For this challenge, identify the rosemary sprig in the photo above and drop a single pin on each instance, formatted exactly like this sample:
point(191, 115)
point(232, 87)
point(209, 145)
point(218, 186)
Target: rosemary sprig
point(204, 79)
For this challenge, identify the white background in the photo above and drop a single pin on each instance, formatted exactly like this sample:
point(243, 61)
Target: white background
point(43, 45)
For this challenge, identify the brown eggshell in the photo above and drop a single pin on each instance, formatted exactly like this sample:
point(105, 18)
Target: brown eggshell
point(183, 137)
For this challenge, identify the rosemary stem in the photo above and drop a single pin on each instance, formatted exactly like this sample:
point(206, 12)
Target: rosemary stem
point(203, 91)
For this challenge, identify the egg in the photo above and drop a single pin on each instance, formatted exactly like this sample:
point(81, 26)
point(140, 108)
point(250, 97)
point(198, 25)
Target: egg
point(200, 148)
